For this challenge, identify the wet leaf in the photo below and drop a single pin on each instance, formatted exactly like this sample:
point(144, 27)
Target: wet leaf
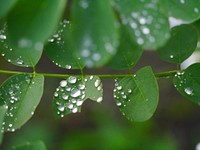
point(38, 145)
point(20, 95)
point(145, 22)
point(134, 97)
point(181, 45)
point(72, 92)
point(6, 6)
point(187, 10)
point(187, 82)
point(28, 30)
point(60, 49)
point(128, 52)
point(94, 31)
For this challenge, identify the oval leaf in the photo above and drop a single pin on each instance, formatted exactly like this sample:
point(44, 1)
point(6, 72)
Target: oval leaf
point(38, 145)
point(135, 99)
point(73, 91)
point(60, 50)
point(180, 46)
point(94, 31)
point(26, 35)
point(20, 95)
point(187, 82)
point(6, 6)
point(187, 10)
point(145, 22)
point(128, 52)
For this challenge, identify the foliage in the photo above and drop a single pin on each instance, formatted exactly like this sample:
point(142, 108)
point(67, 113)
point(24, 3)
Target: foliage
point(95, 33)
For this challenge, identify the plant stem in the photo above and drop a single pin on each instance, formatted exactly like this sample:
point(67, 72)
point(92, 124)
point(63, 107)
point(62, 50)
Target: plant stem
point(157, 75)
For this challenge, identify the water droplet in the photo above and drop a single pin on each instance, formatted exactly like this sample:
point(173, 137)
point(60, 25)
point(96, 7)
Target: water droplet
point(75, 92)
point(68, 66)
point(119, 103)
point(119, 87)
point(70, 106)
point(2, 37)
point(56, 94)
point(75, 110)
point(65, 97)
point(72, 79)
point(188, 91)
point(79, 103)
point(81, 86)
point(171, 56)
point(97, 82)
point(63, 83)
point(146, 30)
point(129, 91)
point(61, 108)
point(99, 99)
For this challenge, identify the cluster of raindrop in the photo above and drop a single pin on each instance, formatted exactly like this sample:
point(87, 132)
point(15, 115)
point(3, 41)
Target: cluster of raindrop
point(182, 81)
point(121, 95)
point(10, 95)
point(144, 24)
point(69, 96)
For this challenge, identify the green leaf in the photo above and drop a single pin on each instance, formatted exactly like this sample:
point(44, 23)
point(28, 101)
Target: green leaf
point(20, 95)
point(6, 6)
point(128, 52)
point(187, 10)
point(94, 31)
point(2, 116)
point(146, 23)
point(187, 82)
point(38, 145)
point(29, 25)
point(73, 91)
point(181, 45)
point(137, 96)
point(60, 48)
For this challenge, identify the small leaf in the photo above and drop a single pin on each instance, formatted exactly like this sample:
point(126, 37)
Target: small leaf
point(181, 45)
point(146, 23)
point(187, 82)
point(20, 95)
point(26, 35)
point(2, 116)
point(73, 91)
point(38, 145)
point(60, 49)
point(94, 31)
point(128, 52)
point(6, 6)
point(186, 10)
point(136, 100)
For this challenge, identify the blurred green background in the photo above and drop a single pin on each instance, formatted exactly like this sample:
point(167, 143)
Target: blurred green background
point(174, 126)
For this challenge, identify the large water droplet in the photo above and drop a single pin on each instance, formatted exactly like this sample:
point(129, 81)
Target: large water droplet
point(75, 92)
point(63, 83)
point(72, 79)
point(188, 91)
